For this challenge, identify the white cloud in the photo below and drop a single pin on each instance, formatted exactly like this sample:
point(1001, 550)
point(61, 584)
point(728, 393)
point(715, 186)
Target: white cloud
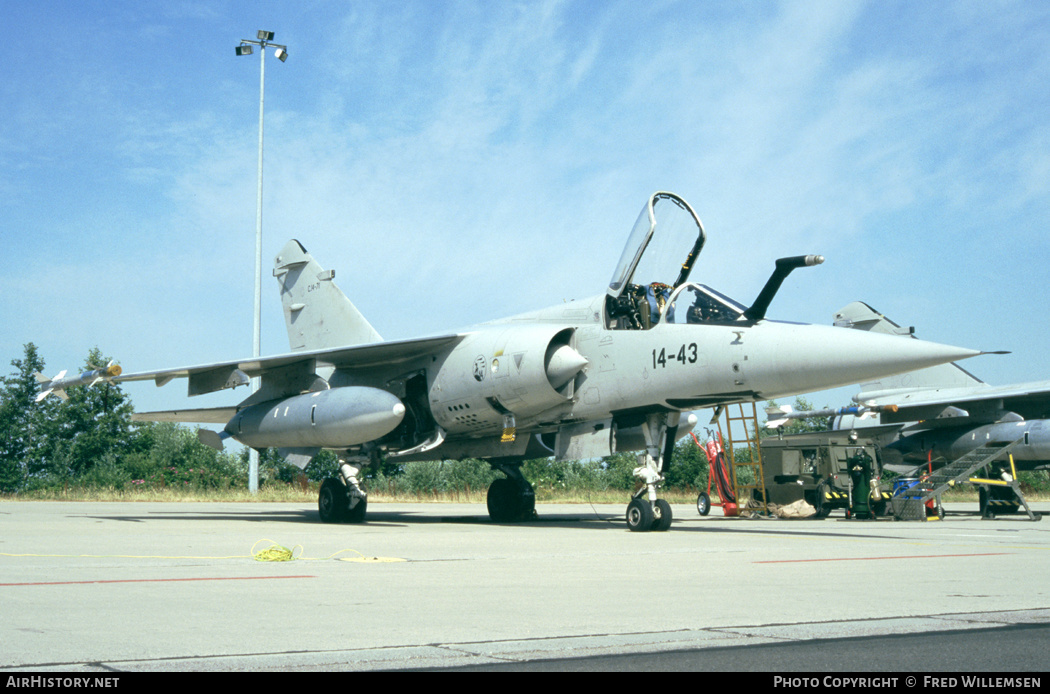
point(459, 162)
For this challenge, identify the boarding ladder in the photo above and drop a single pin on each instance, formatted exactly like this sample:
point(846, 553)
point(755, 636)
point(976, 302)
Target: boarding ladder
point(960, 470)
point(747, 475)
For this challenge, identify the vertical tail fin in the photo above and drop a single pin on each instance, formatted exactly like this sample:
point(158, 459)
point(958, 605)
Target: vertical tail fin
point(859, 316)
point(316, 311)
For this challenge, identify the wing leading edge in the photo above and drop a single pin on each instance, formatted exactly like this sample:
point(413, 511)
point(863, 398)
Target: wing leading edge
point(208, 378)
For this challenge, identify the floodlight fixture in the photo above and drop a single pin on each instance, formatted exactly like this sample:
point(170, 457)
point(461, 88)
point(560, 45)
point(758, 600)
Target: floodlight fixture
point(244, 50)
point(281, 54)
point(264, 35)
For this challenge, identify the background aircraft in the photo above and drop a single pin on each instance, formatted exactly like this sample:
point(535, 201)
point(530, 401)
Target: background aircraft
point(618, 371)
point(944, 412)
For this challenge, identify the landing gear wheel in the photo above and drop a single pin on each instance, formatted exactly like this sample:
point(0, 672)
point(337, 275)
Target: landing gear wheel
point(357, 513)
point(662, 513)
point(508, 502)
point(502, 500)
point(640, 515)
point(703, 504)
point(332, 502)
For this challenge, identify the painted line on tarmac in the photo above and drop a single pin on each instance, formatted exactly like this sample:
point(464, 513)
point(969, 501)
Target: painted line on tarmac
point(152, 580)
point(907, 556)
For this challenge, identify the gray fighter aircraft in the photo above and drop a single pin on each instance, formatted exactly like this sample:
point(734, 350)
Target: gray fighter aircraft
point(942, 412)
point(618, 371)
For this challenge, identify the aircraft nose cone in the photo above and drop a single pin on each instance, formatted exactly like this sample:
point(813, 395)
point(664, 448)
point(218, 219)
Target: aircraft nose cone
point(814, 357)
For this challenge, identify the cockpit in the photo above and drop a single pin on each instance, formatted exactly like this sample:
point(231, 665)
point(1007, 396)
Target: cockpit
point(650, 284)
point(697, 303)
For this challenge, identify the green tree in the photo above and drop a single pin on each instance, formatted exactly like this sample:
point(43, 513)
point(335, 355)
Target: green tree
point(273, 467)
point(799, 426)
point(618, 469)
point(324, 465)
point(564, 475)
point(92, 424)
point(167, 453)
point(689, 466)
point(20, 416)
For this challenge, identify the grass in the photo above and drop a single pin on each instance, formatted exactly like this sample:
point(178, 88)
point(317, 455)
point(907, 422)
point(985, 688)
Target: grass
point(267, 494)
point(307, 493)
point(297, 494)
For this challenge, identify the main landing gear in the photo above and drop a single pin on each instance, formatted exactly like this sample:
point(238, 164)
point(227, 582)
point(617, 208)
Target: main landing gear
point(341, 499)
point(511, 499)
point(646, 511)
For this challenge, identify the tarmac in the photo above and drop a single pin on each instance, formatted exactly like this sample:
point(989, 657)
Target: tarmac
point(145, 587)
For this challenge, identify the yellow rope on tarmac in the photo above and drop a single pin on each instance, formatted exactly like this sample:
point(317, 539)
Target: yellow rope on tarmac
point(278, 553)
point(274, 552)
point(120, 556)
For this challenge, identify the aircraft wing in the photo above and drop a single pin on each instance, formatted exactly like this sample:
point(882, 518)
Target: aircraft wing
point(296, 367)
point(987, 403)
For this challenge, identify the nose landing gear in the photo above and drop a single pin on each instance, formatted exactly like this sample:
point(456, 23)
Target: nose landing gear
point(646, 511)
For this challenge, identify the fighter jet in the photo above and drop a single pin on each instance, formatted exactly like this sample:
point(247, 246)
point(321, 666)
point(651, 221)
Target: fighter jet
point(943, 412)
point(620, 371)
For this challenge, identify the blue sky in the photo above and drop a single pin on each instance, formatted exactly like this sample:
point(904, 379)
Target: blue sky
point(456, 162)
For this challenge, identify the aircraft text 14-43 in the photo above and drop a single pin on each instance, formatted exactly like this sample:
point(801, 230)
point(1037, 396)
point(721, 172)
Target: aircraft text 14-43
point(686, 354)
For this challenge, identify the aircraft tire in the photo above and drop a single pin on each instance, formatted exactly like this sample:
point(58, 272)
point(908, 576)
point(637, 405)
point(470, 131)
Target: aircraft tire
point(703, 504)
point(332, 501)
point(357, 513)
point(640, 516)
point(663, 514)
point(507, 503)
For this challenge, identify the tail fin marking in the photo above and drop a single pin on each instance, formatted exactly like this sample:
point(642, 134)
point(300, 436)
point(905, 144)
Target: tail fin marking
point(317, 313)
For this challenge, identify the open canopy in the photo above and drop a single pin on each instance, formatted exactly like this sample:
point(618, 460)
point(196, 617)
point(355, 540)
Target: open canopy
point(651, 284)
point(662, 247)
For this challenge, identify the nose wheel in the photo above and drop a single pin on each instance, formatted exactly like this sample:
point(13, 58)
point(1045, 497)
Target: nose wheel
point(643, 515)
point(646, 512)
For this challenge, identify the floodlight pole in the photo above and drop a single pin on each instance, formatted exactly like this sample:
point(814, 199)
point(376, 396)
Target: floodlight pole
point(264, 39)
